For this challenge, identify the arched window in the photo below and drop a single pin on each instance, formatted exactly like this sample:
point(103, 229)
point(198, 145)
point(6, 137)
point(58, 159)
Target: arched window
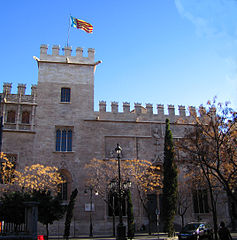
point(64, 188)
point(11, 116)
point(25, 117)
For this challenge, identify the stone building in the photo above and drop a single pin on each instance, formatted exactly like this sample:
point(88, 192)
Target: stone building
point(57, 125)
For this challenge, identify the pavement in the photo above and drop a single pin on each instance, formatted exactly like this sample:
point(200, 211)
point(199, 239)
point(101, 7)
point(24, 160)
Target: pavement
point(161, 236)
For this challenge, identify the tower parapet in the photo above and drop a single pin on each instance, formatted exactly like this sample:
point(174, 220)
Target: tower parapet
point(21, 95)
point(182, 111)
point(140, 113)
point(126, 107)
point(7, 87)
point(67, 56)
point(114, 107)
point(149, 108)
point(21, 89)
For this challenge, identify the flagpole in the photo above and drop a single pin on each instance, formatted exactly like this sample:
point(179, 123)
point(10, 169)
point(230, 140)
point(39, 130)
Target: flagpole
point(68, 33)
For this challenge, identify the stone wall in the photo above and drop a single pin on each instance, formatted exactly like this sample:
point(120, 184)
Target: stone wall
point(140, 131)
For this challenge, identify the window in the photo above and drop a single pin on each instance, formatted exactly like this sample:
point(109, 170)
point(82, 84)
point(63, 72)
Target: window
point(63, 140)
point(65, 94)
point(63, 189)
point(113, 204)
point(25, 117)
point(200, 201)
point(11, 116)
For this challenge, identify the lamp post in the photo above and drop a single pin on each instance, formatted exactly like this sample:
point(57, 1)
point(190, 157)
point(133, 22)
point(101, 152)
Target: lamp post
point(121, 229)
point(91, 189)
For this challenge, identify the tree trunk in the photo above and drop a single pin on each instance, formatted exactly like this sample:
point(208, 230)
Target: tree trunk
point(214, 214)
point(113, 223)
point(47, 231)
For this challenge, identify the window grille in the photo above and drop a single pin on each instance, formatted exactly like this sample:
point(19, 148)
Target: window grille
point(65, 94)
point(63, 140)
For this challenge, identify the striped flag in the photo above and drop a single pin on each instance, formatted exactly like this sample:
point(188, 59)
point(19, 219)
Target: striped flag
point(77, 23)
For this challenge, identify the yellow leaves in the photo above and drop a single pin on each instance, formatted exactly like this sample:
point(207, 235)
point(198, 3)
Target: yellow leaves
point(35, 177)
point(7, 169)
point(141, 173)
point(39, 177)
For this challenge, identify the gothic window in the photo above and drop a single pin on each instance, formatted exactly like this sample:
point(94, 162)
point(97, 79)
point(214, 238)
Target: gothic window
point(63, 189)
point(200, 201)
point(64, 140)
point(65, 95)
point(11, 116)
point(25, 117)
point(113, 204)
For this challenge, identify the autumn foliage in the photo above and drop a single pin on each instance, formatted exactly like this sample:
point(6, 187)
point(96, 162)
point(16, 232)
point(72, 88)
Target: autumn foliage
point(141, 173)
point(36, 177)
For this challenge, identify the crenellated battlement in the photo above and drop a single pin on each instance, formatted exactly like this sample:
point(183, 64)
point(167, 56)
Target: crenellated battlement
point(65, 54)
point(20, 95)
point(147, 112)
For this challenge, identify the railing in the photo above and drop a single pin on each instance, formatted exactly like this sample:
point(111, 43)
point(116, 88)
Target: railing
point(12, 228)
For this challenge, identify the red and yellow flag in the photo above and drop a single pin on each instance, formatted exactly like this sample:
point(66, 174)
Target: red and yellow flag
point(80, 24)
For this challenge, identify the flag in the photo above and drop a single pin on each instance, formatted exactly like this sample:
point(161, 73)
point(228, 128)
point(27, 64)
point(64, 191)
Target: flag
point(77, 23)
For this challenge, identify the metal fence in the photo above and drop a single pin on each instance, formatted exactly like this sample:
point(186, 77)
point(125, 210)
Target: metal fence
point(12, 228)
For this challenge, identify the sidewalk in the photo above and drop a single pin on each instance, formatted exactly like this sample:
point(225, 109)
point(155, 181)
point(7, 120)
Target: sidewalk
point(140, 236)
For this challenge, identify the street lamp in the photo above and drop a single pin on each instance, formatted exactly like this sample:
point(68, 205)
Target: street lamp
point(91, 189)
point(121, 229)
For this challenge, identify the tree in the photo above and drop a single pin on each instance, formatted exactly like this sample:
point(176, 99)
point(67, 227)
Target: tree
point(12, 208)
point(69, 214)
point(50, 208)
point(144, 176)
point(211, 144)
point(36, 177)
point(183, 198)
point(7, 170)
point(130, 216)
point(169, 201)
point(35, 183)
point(200, 180)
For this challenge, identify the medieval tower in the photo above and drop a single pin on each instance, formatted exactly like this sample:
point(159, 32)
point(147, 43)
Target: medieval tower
point(57, 126)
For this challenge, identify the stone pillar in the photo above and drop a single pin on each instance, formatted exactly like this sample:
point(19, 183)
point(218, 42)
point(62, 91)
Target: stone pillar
point(114, 107)
point(138, 108)
point(31, 218)
point(102, 106)
point(171, 110)
point(192, 111)
point(149, 108)
point(55, 50)
point(79, 52)
point(126, 107)
point(182, 112)
point(67, 51)
point(7, 87)
point(160, 109)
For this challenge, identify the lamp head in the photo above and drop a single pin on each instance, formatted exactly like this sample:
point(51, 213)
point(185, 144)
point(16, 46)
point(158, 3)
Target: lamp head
point(118, 149)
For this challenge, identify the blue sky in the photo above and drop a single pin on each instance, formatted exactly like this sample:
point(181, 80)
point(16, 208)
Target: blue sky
point(181, 52)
